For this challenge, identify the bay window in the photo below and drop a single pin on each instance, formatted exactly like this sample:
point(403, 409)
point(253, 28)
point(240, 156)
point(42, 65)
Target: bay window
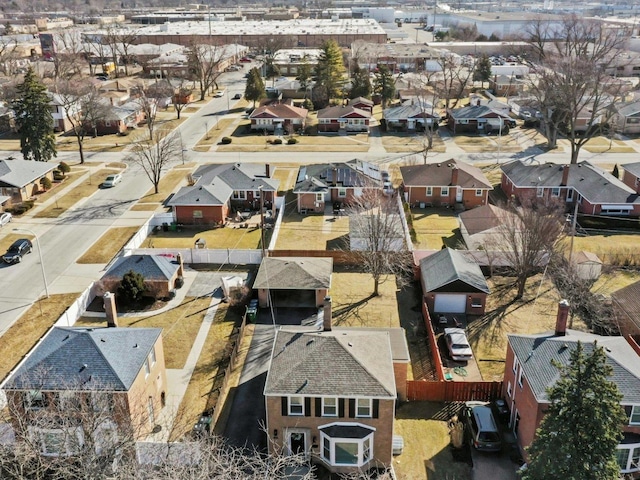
point(347, 444)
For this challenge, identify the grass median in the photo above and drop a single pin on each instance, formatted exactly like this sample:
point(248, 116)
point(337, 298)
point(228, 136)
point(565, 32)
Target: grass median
point(108, 245)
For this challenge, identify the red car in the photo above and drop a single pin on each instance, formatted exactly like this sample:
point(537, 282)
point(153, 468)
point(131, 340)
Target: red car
point(245, 60)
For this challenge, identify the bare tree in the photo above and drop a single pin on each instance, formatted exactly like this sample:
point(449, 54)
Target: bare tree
point(456, 77)
point(8, 56)
point(204, 63)
point(148, 101)
point(377, 239)
point(572, 79)
point(126, 37)
point(155, 156)
point(67, 56)
point(527, 236)
point(428, 98)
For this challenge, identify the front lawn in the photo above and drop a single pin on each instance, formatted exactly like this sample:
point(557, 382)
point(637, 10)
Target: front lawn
point(167, 185)
point(108, 245)
point(485, 144)
point(402, 142)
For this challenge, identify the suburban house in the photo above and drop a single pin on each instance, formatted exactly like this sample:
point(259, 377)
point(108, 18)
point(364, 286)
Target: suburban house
point(362, 104)
point(161, 275)
point(411, 117)
point(118, 373)
point(343, 119)
point(477, 119)
point(480, 227)
point(331, 394)
point(530, 371)
point(626, 119)
point(389, 225)
point(279, 117)
point(631, 175)
point(219, 190)
point(625, 303)
point(453, 284)
point(21, 179)
point(596, 191)
point(319, 185)
point(293, 281)
point(506, 85)
point(119, 119)
point(445, 184)
point(61, 109)
point(491, 102)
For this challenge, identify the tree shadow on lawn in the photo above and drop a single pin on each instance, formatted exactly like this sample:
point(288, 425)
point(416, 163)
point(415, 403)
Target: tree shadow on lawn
point(454, 241)
point(339, 243)
point(351, 310)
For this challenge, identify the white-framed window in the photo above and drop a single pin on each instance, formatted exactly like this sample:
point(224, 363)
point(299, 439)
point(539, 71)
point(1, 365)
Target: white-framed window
point(319, 197)
point(539, 192)
point(147, 368)
point(363, 407)
point(35, 400)
point(515, 364)
point(296, 406)
point(429, 191)
point(256, 194)
point(444, 192)
point(462, 122)
point(476, 302)
point(329, 407)
point(509, 390)
point(520, 378)
point(555, 192)
point(56, 442)
point(634, 418)
point(197, 214)
point(355, 452)
point(342, 192)
point(478, 192)
point(569, 194)
point(239, 195)
point(628, 456)
point(152, 356)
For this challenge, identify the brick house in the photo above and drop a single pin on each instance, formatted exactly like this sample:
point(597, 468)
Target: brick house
point(279, 117)
point(596, 191)
point(506, 85)
point(318, 185)
point(343, 118)
point(117, 373)
point(331, 394)
point(411, 117)
point(631, 176)
point(20, 179)
point(119, 119)
point(219, 190)
point(362, 104)
point(445, 184)
point(529, 371)
point(477, 119)
point(451, 283)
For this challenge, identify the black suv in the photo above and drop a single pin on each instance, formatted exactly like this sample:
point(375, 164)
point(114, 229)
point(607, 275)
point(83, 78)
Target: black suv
point(17, 250)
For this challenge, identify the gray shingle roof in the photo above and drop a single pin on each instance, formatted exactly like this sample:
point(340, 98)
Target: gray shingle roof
point(628, 109)
point(633, 168)
point(319, 177)
point(340, 111)
point(151, 267)
point(448, 266)
point(481, 219)
point(19, 173)
point(409, 111)
point(294, 273)
point(475, 111)
point(337, 362)
point(535, 352)
point(593, 183)
point(440, 175)
point(86, 359)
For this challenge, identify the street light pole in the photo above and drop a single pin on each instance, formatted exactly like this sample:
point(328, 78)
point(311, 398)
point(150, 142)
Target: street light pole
point(499, 141)
point(44, 276)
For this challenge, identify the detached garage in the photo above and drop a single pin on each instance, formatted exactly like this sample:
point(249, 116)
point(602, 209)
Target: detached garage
point(293, 282)
point(453, 284)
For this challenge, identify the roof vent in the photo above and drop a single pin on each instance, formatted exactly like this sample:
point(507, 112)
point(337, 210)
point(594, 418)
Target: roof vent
point(65, 338)
point(135, 345)
point(350, 344)
point(83, 367)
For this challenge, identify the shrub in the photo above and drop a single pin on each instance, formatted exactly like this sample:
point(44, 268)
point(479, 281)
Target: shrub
point(225, 140)
point(308, 104)
point(277, 141)
point(292, 141)
point(131, 287)
point(58, 175)
point(64, 168)
point(45, 182)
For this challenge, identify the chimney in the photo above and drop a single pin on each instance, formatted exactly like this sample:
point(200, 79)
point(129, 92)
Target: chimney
point(335, 176)
point(565, 175)
point(561, 319)
point(267, 171)
point(454, 176)
point(180, 265)
point(110, 309)
point(326, 321)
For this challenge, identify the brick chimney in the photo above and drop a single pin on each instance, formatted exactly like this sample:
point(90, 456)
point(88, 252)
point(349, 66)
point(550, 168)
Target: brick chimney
point(110, 309)
point(180, 265)
point(326, 319)
point(565, 175)
point(267, 170)
point(454, 176)
point(561, 319)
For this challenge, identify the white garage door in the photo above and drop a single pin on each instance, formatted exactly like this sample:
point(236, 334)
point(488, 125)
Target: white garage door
point(450, 303)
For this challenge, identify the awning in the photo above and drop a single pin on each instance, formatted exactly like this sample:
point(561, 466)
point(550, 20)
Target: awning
point(617, 207)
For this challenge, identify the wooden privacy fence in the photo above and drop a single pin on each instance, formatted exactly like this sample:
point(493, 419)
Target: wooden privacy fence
point(421, 390)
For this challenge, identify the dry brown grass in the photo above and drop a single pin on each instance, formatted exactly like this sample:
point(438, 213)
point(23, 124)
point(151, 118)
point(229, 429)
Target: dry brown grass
point(434, 228)
point(483, 144)
point(167, 185)
point(84, 189)
point(409, 143)
point(312, 232)
point(16, 342)
point(227, 237)
point(108, 245)
point(328, 147)
point(614, 280)
point(607, 245)
point(145, 207)
point(603, 144)
point(212, 137)
point(57, 187)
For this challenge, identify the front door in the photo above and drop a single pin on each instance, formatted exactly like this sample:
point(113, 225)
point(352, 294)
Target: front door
point(458, 194)
point(297, 443)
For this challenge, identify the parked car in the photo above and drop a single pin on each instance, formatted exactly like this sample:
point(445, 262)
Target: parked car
point(5, 218)
point(219, 93)
point(112, 180)
point(245, 60)
point(484, 433)
point(457, 344)
point(237, 96)
point(17, 250)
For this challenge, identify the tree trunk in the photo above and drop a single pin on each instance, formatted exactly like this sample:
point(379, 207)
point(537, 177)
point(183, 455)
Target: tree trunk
point(80, 149)
point(575, 152)
point(155, 187)
point(522, 282)
point(376, 285)
point(178, 110)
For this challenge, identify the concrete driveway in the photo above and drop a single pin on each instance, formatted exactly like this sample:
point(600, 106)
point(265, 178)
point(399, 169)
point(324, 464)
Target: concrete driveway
point(494, 466)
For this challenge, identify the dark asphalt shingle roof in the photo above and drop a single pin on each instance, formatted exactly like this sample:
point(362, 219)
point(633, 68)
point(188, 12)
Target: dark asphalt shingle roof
point(626, 303)
point(440, 175)
point(535, 353)
point(448, 266)
point(337, 362)
point(475, 111)
point(409, 111)
point(294, 273)
point(340, 111)
point(151, 267)
point(86, 359)
point(319, 177)
point(593, 183)
point(481, 219)
point(19, 173)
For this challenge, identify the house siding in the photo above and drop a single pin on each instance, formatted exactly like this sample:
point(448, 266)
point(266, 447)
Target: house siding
point(308, 202)
point(417, 195)
point(430, 298)
point(631, 180)
point(211, 214)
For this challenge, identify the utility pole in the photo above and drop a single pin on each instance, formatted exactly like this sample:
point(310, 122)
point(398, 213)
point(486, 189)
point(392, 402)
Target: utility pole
point(573, 227)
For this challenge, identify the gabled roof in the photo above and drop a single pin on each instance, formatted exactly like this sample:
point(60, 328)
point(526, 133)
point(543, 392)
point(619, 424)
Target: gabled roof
point(475, 111)
point(593, 183)
point(448, 266)
point(216, 182)
point(279, 110)
point(340, 111)
point(585, 257)
point(338, 362)
point(629, 109)
point(294, 273)
point(440, 175)
point(366, 101)
point(632, 168)
point(536, 353)
point(20, 173)
point(626, 303)
point(85, 359)
point(409, 111)
point(320, 177)
point(483, 218)
point(151, 267)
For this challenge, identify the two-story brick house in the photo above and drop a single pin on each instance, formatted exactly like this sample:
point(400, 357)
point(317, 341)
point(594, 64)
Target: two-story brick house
point(88, 388)
point(331, 394)
point(529, 371)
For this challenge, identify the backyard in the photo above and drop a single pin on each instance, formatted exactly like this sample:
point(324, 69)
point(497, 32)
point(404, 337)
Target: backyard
point(226, 237)
point(435, 228)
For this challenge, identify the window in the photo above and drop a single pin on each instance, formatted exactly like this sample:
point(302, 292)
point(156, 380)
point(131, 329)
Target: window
point(107, 123)
point(569, 194)
point(152, 356)
point(429, 191)
point(444, 192)
point(628, 456)
point(319, 197)
point(476, 302)
point(539, 192)
point(462, 122)
point(57, 441)
point(520, 378)
point(363, 407)
point(34, 400)
point(478, 192)
point(347, 451)
point(329, 407)
point(197, 214)
point(509, 391)
point(256, 194)
point(342, 192)
point(296, 406)
point(555, 192)
point(635, 415)
point(515, 363)
point(326, 448)
point(147, 369)
point(239, 195)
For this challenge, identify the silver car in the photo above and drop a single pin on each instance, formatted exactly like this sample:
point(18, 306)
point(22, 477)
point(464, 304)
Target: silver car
point(457, 344)
point(112, 180)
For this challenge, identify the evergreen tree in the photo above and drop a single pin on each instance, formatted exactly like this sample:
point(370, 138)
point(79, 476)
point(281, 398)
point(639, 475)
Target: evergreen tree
point(255, 87)
point(360, 83)
point(131, 287)
point(330, 69)
point(384, 85)
point(580, 431)
point(304, 75)
point(31, 107)
point(482, 72)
